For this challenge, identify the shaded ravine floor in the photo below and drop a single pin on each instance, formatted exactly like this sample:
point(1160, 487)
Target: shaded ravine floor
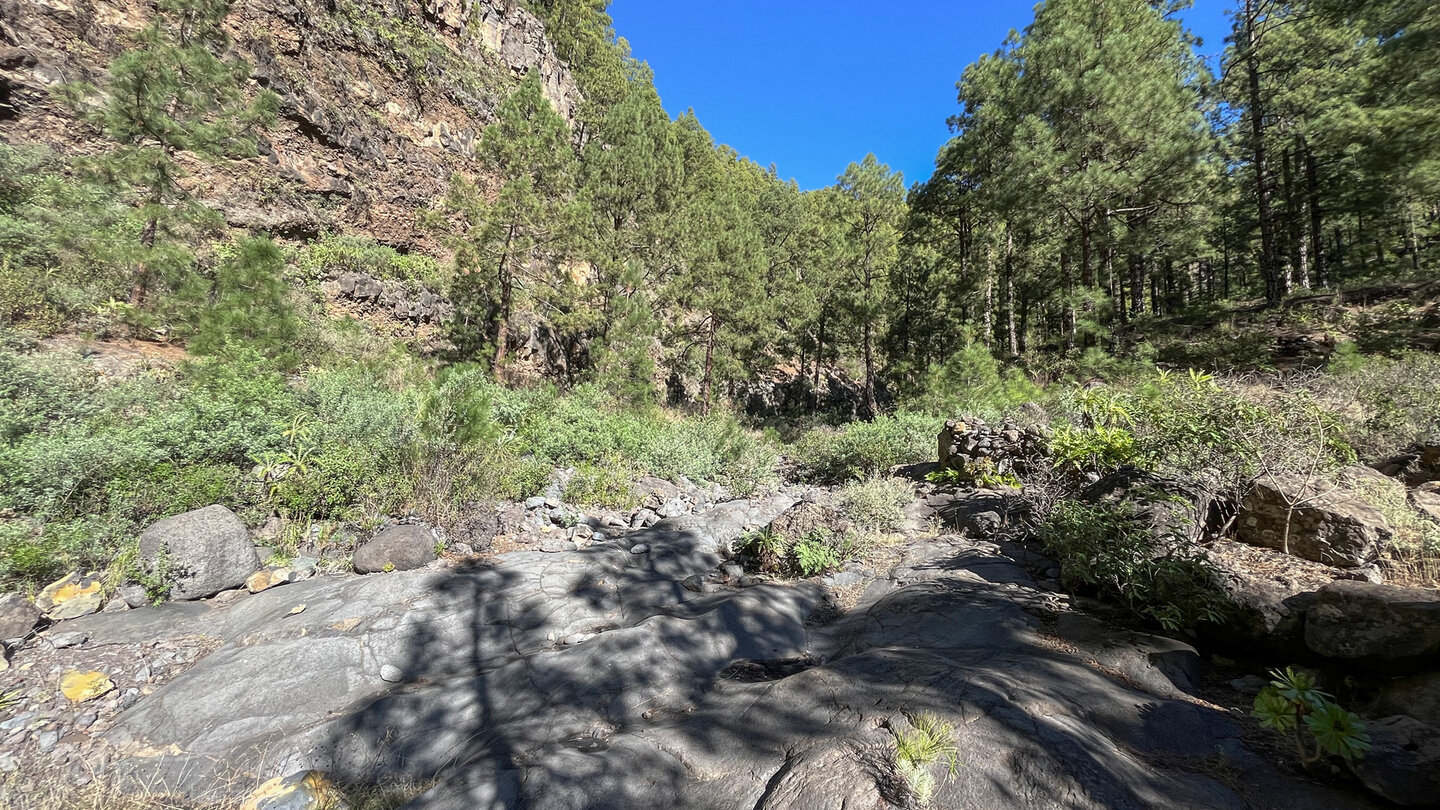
point(603, 678)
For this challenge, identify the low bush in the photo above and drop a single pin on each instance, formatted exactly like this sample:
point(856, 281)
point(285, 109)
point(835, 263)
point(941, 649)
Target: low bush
point(1164, 579)
point(876, 504)
point(604, 485)
point(861, 450)
point(335, 255)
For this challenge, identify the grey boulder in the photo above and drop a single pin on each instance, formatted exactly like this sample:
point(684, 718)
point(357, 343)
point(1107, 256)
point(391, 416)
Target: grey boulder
point(398, 548)
point(1403, 763)
point(1361, 620)
point(206, 550)
point(1313, 519)
point(17, 616)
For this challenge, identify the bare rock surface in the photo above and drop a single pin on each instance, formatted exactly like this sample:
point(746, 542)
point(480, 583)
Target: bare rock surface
point(597, 678)
point(1363, 621)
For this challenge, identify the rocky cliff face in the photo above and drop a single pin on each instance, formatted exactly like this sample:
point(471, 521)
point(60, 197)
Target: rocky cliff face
point(381, 100)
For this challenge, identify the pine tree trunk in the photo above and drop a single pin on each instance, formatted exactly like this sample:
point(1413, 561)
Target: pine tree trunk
point(1317, 218)
point(1010, 293)
point(507, 295)
point(1269, 256)
point(709, 366)
point(990, 308)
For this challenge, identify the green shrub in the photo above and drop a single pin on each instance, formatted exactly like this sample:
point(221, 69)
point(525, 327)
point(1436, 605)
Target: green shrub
point(815, 554)
point(1165, 579)
point(1099, 449)
point(335, 255)
point(972, 381)
point(876, 504)
point(605, 485)
point(864, 449)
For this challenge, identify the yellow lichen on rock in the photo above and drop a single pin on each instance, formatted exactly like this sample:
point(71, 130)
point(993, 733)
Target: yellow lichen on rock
point(307, 790)
point(72, 597)
point(79, 687)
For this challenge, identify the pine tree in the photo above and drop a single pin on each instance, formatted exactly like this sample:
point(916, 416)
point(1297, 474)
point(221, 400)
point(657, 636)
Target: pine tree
point(631, 173)
point(868, 206)
point(248, 302)
point(173, 92)
point(504, 249)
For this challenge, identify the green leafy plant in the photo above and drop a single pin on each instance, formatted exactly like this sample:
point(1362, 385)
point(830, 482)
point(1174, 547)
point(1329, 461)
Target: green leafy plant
point(1294, 704)
point(928, 740)
point(946, 477)
point(815, 555)
point(1160, 577)
point(769, 548)
point(1099, 449)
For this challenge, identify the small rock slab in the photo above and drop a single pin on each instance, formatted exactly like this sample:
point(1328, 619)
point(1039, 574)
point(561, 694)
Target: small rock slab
point(398, 548)
point(78, 687)
point(306, 790)
point(73, 596)
point(1362, 620)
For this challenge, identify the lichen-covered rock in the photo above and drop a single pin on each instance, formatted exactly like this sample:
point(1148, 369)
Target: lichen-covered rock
point(78, 687)
point(202, 552)
point(1361, 620)
point(398, 548)
point(306, 790)
point(73, 596)
point(1316, 520)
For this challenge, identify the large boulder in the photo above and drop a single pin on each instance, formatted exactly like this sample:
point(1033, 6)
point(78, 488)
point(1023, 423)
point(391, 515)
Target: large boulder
point(1326, 522)
point(204, 551)
point(1364, 621)
point(1268, 593)
point(1417, 696)
point(1167, 506)
point(17, 616)
point(398, 548)
point(1403, 763)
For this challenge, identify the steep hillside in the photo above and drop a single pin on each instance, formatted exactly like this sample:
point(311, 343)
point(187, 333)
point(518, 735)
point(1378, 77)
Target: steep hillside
point(380, 102)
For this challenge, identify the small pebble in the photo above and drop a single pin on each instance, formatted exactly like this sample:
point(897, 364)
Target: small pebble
point(391, 674)
point(640, 548)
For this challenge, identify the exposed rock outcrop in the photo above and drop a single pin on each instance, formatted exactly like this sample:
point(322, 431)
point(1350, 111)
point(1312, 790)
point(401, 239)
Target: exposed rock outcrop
point(597, 679)
point(1378, 623)
point(380, 102)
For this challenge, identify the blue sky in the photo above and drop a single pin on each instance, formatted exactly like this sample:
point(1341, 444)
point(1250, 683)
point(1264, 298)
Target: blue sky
point(811, 85)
